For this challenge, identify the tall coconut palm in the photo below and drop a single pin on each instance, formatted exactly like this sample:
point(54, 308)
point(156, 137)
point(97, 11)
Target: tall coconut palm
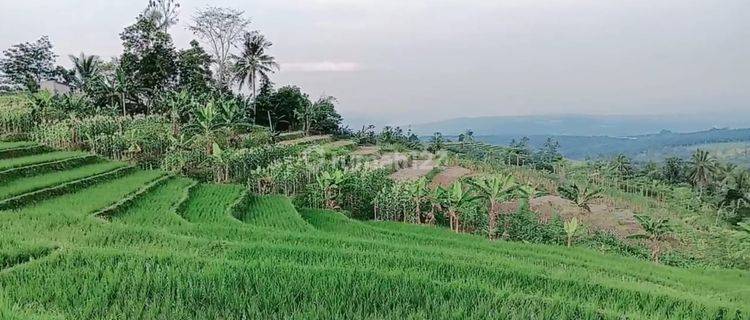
point(621, 165)
point(656, 231)
point(254, 63)
point(703, 168)
point(86, 68)
point(495, 189)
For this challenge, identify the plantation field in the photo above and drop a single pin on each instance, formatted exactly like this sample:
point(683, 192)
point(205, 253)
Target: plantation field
point(147, 245)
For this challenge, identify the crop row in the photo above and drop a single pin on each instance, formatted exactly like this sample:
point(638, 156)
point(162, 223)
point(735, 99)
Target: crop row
point(209, 203)
point(15, 144)
point(13, 163)
point(159, 206)
point(272, 211)
point(38, 195)
point(167, 285)
point(126, 202)
point(48, 180)
point(41, 168)
point(22, 151)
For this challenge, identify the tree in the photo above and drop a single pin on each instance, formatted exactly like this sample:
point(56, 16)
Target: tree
point(148, 61)
point(437, 143)
point(702, 169)
point(466, 136)
point(24, 65)
point(194, 69)
point(163, 13)
point(495, 189)
point(519, 151)
point(254, 62)
point(621, 165)
point(86, 69)
point(673, 170)
point(656, 231)
point(319, 117)
point(221, 29)
point(548, 155)
point(280, 109)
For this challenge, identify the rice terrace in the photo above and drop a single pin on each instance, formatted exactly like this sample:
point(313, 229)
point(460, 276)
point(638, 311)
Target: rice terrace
point(178, 181)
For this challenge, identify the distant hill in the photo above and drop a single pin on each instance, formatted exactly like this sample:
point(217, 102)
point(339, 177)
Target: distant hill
point(581, 125)
point(729, 144)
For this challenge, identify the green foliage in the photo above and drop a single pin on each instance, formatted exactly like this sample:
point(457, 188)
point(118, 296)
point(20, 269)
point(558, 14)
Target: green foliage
point(582, 196)
point(24, 65)
point(317, 264)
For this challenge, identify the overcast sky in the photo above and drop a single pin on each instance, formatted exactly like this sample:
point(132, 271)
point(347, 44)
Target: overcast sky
point(403, 61)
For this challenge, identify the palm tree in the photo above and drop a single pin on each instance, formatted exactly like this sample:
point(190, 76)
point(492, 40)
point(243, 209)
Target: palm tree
point(495, 189)
point(621, 165)
point(456, 199)
point(254, 63)
point(86, 68)
point(656, 230)
point(702, 169)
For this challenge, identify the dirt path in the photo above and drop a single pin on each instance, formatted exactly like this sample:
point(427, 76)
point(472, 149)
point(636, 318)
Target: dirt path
point(446, 177)
point(306, 140)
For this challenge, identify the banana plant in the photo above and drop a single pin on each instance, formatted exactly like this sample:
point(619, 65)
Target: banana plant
point(456, 199)
point(582, 196)
point(418, 192)
point(495, 190)
point(656, 231)
point(437, 200)
point(330, 183)
point(572, 229)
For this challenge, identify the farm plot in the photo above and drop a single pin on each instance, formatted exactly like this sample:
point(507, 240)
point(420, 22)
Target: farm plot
point(247, 257)
point(14, 145)
point(159, 206)
point(209, 203)
point(34, 183)
point(274, 212)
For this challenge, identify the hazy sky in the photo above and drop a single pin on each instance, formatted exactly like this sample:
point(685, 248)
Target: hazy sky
point(405, 61)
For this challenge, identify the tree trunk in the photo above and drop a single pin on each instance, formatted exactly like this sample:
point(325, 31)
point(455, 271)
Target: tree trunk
point(123, 104)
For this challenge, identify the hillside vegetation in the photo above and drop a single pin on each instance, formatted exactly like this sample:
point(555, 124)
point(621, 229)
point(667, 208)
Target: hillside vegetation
point(174, 249)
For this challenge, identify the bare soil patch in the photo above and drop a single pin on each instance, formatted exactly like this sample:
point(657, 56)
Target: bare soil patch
point(419, 168)
point(446, 177)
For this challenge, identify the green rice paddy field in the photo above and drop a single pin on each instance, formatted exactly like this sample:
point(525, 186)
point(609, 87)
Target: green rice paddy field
point(145, 245)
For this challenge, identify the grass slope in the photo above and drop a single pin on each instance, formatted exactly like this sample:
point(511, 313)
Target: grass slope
point(61, 262)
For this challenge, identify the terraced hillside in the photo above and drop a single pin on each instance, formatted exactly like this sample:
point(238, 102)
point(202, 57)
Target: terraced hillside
point(99, 240)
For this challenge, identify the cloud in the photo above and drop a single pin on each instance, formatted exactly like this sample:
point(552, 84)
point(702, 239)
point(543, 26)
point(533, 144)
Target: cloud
point(322, 66)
